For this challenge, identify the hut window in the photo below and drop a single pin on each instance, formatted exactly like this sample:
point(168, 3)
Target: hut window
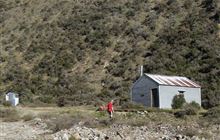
point(181, 91)
point(142, 95)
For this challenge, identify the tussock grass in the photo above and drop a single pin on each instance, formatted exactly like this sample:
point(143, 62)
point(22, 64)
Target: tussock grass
point(28, 117)
point(9, 114)
point(61, 122)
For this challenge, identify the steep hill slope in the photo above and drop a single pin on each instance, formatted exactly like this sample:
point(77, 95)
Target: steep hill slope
point(84, 49)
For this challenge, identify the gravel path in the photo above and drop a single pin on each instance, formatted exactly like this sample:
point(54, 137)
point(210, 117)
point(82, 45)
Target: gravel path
point(22, 130)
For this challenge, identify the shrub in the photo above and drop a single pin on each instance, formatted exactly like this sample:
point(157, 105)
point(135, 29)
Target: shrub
point(61, 102)
point(6, 104)
point(190, 109)
point(195, 105)
point(28, 117)
point(213, 115)
point(213, 112)
point(61, 122)
point(180, 114)
point(9, 114)
point(178, 101)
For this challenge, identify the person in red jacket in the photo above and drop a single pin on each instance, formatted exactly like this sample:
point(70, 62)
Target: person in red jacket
point(110, 108)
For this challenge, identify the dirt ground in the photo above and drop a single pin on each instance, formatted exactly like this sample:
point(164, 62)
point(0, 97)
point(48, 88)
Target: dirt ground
point(53, 123)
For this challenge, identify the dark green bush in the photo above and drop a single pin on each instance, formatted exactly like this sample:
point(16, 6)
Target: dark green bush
point(178, 101)
point(213, 113)
point(195, 105)
point(180, 114)
point(7, 103)
point(61, 102)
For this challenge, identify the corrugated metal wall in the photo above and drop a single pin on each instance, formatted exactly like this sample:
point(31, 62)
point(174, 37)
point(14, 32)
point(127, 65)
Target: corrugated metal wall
point(141, 91)
point(167, 93)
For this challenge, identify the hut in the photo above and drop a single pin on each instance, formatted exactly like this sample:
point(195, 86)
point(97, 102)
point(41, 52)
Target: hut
point(12, 98)
point(155, 90)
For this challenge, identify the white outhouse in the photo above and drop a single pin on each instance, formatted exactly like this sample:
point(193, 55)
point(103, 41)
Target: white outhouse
point(12, 98)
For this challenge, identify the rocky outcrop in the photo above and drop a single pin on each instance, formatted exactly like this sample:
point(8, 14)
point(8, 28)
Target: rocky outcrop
point(37, 129)
point(121, 132)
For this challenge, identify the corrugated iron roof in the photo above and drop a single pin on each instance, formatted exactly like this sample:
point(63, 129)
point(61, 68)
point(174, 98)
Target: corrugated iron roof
point(173, 80)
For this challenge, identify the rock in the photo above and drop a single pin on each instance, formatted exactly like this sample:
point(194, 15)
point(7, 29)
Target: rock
point(76, 136)
point(65, 137)
point(195, 138)
point(178, 137)
point(165, 138)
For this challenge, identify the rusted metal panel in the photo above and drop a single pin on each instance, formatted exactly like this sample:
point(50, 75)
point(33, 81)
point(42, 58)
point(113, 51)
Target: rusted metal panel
point(173, 80)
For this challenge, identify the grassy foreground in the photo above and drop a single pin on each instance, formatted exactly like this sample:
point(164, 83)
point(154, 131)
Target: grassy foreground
point(63, 118)
point(57, 119)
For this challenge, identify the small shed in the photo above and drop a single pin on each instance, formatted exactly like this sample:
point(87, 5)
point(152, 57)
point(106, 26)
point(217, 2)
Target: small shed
point(12, 98)
point(154, 90)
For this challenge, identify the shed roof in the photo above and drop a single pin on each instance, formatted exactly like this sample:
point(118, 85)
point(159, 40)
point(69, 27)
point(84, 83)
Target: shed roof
point(173, 80)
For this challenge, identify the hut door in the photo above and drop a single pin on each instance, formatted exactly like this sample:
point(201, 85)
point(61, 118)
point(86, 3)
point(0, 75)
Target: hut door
point(155, 97)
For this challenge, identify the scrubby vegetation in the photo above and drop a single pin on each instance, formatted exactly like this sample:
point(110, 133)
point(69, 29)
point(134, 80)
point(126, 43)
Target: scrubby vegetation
point(6, 103)
point(90, 51)
point(191, 108)
point(213, 115)
point(178, 101)
point(9, 114)
point(27, 117)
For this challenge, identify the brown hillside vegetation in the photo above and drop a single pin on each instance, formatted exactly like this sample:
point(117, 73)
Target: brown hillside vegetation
point(85, 49)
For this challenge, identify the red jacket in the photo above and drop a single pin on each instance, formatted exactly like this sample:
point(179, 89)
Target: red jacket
point(110, 107)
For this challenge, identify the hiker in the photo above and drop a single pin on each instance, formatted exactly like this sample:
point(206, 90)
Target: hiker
point(110, 108)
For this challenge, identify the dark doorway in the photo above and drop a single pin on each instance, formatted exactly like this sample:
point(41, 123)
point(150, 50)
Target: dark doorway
point(155, 97)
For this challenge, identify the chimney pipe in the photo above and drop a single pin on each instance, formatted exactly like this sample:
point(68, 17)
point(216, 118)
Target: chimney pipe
point(142, 71)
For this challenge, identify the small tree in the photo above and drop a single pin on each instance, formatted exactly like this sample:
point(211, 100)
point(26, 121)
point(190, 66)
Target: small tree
point(178, 101)
point(61, 102)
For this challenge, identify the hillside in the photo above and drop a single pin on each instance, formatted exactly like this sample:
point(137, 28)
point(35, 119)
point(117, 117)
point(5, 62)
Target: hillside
point(83, 50)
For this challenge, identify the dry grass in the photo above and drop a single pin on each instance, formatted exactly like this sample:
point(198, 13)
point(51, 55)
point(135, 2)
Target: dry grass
point(64, 118)
point(9, 114)
point(28, 117)
point(61, 122)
